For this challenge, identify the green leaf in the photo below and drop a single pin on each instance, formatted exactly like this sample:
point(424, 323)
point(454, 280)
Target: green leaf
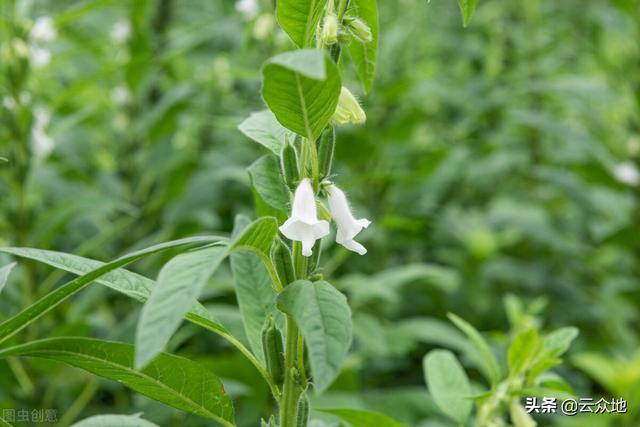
point(365, 55)
point(255, 293)
point(302, 90)
point(13, 325)
point(467, 7)
point(131, 284)
point(324, 317)
point(263, 128)
point(172, 380)
point(4, 274)
point(114, 420)
point(3, 423)
point(361, 418)
point(258, 237)
point(522, 351)
point(558, 342)
point(489, 365)
point(448, 384)
point(179, 284)
point(519, 415)
point(268, 183)
point(299, 19)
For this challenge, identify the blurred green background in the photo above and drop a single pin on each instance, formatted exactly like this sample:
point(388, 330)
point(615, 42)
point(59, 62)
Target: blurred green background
point(499, 164)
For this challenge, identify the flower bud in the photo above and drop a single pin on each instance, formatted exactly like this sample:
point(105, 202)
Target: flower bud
point(330, 29)
point(273, 349)
point(326, 148)
point(360, 30)
point(284, 264)
point(289, 165)
point(303, 411)
point(348, 109)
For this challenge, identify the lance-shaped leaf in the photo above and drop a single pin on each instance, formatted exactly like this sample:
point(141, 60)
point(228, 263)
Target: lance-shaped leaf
point(4, 423)
point(4, 274)
point(13, 325)
point(467, 7)
point(365, 54)
point(264, 128)
point(109, 420)
point(323, 315)
point(448, 384)
point(268, 183)
point(361, 418)
point(299, 19)
point(172, 380)
point(302, 90)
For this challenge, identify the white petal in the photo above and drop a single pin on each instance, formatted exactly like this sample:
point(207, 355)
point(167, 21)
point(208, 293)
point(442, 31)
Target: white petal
point(354, 246)
point(348, 226)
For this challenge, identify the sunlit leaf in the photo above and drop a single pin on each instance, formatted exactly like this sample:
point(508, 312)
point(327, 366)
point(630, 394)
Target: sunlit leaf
point(299, 19)
point(4, 274)
point(365, 55)
point(263, 128)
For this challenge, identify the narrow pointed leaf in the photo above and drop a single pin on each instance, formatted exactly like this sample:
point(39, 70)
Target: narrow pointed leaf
point(4, 274)
point(467, 7)
point(302, 90)
point(365, 55)
point(299, 19)
point(324, 317)
point(13, 325)
point(172, 380)
point(361, 418)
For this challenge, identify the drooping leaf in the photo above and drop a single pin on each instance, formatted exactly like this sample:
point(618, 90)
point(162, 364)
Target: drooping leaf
point(254, 291)
point(263, 128)
point(4, 274)
point(467, 7)
point(172, 380)
point(268, 183)
point(299, 19)
point(302, 90)
point(13, 325)
point(489, 365)
point(324, 317)
point(365, 55)
point(361, 418)
point(179, 284)
point(448, 384)
point(558, 342)
point(114, 420)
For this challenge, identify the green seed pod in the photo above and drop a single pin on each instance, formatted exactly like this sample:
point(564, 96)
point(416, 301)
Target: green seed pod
point(326, 148)
point(360, 30)
point(281, 257)
point(289, 165)
point(273, 349)
point(303, 411)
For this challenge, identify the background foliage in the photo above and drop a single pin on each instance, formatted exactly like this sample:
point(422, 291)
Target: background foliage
point(498, 162)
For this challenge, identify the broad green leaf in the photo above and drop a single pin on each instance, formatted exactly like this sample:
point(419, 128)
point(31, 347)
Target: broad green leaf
point(172, 380)
point(300, 18)
point(4, 274)
point(268, 183)
point(114, 420)
point(323, 315)
point(179, 284)
point(254, 291)
point(361, 418)
point(365, 55)
point(489, 365)
point(13, 325)
point(522, 351)
point(258, 237)
point(131, 284)
point(302, 90)
point(448, 384)
point(519, 415)
point(263, 128)
point(467, 7)
point(558, 342)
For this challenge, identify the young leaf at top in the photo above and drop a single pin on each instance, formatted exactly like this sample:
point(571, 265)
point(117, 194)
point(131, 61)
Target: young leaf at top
point(263, 128)
point(302, 90)
point(267, 182)
point(324, 317)
point(114, 420)
point(448, 384)
point(4, 274)
point(467, 7)
point(172, 380)
point(522, 350)
point(13, 325)
point(299, 19)
point(365, 55)
point(361, 418)
point(179, 284)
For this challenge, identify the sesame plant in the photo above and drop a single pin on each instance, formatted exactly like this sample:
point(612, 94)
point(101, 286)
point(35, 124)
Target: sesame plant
point(297, 324)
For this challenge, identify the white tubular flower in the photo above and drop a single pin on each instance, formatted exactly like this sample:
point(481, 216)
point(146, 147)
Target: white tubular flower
point(304, 225)
point(348, 226)
point(44, 30)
